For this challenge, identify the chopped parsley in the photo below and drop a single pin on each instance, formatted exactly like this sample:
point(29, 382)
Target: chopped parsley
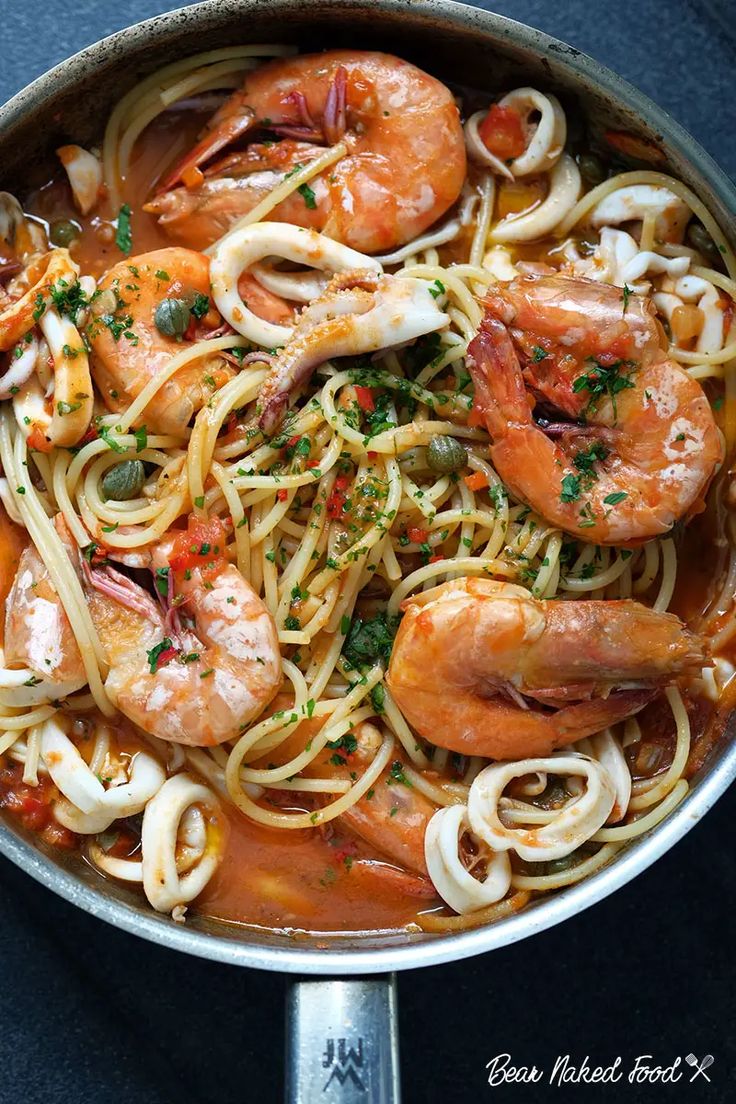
point(616, 497)
point(604, 380)
point(103, 431)
point(200, 306)
point(155, 654)
point(396, 774)
point(371, 640)
point(570, 491)
point(627, 293)
point(585, 460)
point(308, 196)
point(141, 438)
point(538, 353)
point(123, 234)
point(378, 697)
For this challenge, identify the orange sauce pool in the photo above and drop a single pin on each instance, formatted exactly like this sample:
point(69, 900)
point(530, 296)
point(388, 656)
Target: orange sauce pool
point(298, 879)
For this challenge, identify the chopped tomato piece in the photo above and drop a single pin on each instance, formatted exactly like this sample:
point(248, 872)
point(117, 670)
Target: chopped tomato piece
point(37, 440)
point(336, 503)
point(312, 464)
point(477, 481)
point(366, 402)
point(417, 535)
point(501, 132)
point(201, 545)
point(282, 494)
point(435, 559)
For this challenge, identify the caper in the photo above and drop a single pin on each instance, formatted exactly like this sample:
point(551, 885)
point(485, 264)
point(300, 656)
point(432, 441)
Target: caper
point(591, 169)
point(125, 480)
point(63, 232)
point(699, 238)
point(172, 317)
point(445, 454)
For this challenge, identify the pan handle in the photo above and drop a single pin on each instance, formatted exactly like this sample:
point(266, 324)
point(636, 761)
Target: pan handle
point(342, 1041)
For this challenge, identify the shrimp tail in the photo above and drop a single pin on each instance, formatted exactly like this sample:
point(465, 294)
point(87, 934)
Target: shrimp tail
point(491, 356)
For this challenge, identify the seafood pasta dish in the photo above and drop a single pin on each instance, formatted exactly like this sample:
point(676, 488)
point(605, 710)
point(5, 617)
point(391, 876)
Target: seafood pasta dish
point(367, 530)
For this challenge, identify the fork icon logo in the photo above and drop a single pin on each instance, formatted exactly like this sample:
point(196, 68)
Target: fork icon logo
point(699, 1067)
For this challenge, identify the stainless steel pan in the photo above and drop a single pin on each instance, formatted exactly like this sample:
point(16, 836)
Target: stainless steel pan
point(342, 1037)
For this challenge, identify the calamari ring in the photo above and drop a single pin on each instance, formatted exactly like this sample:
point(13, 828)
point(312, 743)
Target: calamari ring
point(564, 189)
point(453, 882)
point(239, 251)
point(566, 831)
point(163, 821)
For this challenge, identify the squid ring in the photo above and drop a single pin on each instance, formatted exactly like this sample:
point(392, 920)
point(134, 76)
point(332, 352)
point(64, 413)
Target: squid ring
point(192, 844)
point(564, 189)
point(573, 825)
point(165, 822)
point(244, 248)
point(606, 750)
point(548, 135)
point(453, 882)
point(83, 788)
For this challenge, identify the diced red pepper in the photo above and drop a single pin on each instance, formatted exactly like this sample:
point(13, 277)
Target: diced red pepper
point(282, 494)
point(417, 535)
point(435, 559)
point(165, 657)
point(312, 463)
point(364, 395)
point(37, 440)
point(501, 132)
point(477, 481)
point(336, 503)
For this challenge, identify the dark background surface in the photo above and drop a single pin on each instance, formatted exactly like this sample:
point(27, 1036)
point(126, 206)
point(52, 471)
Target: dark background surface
point(94, 1016)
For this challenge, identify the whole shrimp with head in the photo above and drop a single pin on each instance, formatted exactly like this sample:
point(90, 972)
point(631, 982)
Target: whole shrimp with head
point(628, 444)
point(404, 165)
point(203, 663)
point(515, 676)
point(150, 308)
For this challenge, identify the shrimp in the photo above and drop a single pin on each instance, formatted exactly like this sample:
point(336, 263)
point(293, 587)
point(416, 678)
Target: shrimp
point(514, 676)
point(200, 669)
point(404, 167)
point(128, 350)
point(38, 635)
point(643, 446)
point(391, 818)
